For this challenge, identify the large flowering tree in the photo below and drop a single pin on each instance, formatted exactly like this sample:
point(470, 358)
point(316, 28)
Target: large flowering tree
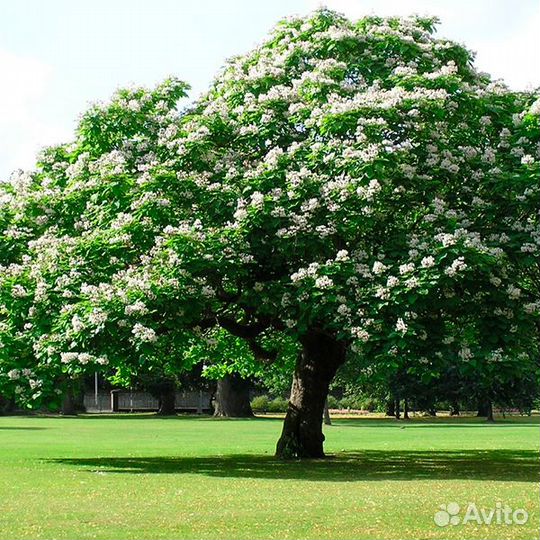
point(347, 189)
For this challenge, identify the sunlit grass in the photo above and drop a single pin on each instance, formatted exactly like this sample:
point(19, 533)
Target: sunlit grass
point(140, 477)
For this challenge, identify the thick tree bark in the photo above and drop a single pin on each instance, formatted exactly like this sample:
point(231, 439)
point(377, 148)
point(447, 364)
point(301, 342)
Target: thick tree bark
point(302, 435)
point(232, 397)
point(167, 403)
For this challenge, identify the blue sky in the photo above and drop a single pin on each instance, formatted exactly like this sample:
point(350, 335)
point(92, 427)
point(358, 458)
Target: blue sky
point(56, 56)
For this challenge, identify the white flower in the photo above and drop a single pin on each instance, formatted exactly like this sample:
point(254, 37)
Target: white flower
point(14, 374)
point(527, 247)
point(252, 129)
point(527, 160)
point(404, 268)
point(370, 191)
point(84, 358)
point(97, 317)
point(456, 266)
point(67, 357)
point(144, 334)
point(535, 107)
point(513, 292)
point(446, 239)
point(401, 326)
point(134, 105)
point(427, 262)
point(257, 199)
point(18, 291)
point(360, 333)
point(272, 157)
point(342, 255)
point(533, 307)
point(485, 120)
point(240, 214)
point(378, 267)
point(137, 308)
point(77, 323)
point(382, 293)
point(323, 282)
point(412, 282)
point(299, 276)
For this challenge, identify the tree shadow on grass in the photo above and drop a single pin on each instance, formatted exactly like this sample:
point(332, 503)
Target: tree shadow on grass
point(504, 465)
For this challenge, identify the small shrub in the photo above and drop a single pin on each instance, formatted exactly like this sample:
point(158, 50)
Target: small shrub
point(347, 403)
point(278, 405)
point(369, 404)
point(260, 404)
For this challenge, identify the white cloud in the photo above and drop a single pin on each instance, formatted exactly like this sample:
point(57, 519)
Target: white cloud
point(504, 36)
point(23, 128)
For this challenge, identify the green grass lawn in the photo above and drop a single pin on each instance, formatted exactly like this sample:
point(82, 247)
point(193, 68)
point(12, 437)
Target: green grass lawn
point(136, 476)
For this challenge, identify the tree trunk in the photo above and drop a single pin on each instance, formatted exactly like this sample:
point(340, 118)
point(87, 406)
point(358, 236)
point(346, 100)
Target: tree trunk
point(454, 408)
point(167, 403)
point(232, 397)
point(326, 414)
point(6, 405)
point(405, 410)
point(482, 408)
point(489, 412)
point(391, 407)
point(73, 398)
point(68, 402)
point(397, 409)
point(316, 366)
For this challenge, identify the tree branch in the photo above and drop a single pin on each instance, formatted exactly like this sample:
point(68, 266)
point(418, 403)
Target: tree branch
point(242, 330)
point(261, 353)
